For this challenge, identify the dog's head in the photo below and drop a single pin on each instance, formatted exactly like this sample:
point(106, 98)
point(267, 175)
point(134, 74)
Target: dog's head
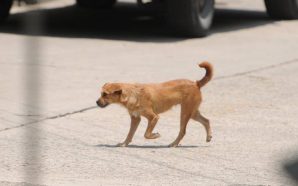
point(110, 93)
point(125, 94)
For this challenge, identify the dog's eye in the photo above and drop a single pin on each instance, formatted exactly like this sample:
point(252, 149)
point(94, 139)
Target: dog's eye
point(104, 94)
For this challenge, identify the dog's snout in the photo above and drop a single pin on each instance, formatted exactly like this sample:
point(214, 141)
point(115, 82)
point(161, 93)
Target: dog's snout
point(101, 104)
point(98, 103)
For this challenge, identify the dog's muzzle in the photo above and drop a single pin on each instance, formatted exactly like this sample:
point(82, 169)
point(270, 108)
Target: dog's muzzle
point(100, 104)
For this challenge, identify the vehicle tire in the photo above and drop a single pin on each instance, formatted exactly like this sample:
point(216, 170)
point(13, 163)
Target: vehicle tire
point(31, 2)
point(96, 3)
point(5, 6)
point(190, 17)
point(282, 9)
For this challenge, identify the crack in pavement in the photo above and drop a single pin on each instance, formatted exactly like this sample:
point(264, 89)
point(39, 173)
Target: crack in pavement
point(50, 117)
point(258, 70)
point(71, 113)
point(217, 78)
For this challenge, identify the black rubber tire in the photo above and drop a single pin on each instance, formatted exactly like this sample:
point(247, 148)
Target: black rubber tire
point(31, 2)
point(190, 17)
point(282, 9)
point(96, 3)
point(5, 6)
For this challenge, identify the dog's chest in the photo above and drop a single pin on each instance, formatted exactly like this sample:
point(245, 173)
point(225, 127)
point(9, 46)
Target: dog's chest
point(135, 113)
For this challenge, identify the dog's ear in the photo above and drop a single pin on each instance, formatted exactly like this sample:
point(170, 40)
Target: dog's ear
point(130, 97)
point(118, 92)
point(124, 95)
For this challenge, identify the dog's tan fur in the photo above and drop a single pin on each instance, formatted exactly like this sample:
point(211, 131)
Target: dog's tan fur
point(149, 100)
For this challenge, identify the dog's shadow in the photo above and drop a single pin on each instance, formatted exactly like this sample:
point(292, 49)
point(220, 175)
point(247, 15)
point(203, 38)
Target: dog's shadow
point(148, 146)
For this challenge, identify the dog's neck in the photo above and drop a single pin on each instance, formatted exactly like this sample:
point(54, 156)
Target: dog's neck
point(131, 104)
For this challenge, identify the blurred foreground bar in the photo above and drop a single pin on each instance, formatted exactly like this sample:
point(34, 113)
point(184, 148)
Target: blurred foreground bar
point(32, 23)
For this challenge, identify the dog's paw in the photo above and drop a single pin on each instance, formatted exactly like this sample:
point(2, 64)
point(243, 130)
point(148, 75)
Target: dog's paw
point(155, 135)
point(208, 139)
point(152, 136)
point(122, 144)
point(173, 145)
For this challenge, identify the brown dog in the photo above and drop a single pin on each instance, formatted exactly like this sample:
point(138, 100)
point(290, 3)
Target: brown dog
point(149, 100)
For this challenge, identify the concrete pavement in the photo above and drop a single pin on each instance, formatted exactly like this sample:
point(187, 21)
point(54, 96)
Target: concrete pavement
point(252, 101)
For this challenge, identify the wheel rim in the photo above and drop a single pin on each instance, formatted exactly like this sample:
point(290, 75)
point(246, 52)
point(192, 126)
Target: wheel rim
point(205, 6)
point(202, 4)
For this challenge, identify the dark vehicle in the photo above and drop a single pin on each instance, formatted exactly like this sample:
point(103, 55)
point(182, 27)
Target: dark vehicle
point(191, 18)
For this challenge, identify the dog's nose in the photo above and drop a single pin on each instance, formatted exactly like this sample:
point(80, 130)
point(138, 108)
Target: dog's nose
point(102, 105)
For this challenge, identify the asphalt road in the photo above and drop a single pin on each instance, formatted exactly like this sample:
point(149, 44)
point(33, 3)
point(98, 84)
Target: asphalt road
point(51, 133)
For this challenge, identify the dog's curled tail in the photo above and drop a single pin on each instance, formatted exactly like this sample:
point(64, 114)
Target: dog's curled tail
point(208, 75)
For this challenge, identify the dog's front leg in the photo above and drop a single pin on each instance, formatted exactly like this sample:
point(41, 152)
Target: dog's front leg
point(135, 121)
point(152, 120)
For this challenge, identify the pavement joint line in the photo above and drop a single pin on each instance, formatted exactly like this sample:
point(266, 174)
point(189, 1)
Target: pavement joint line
point(49, 118)
point(258, 69)
point(71, 113)
point(217, 78)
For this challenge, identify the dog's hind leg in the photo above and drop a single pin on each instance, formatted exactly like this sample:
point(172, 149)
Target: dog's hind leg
point(197, 116)
point(135, 121)
point(184, 118)
point(152, 120)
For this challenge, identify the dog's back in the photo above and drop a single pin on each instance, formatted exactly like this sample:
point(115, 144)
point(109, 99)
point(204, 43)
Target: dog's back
point(167, 94)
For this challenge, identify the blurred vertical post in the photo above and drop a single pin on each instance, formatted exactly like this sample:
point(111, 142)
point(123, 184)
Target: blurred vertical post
point(32, 82)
